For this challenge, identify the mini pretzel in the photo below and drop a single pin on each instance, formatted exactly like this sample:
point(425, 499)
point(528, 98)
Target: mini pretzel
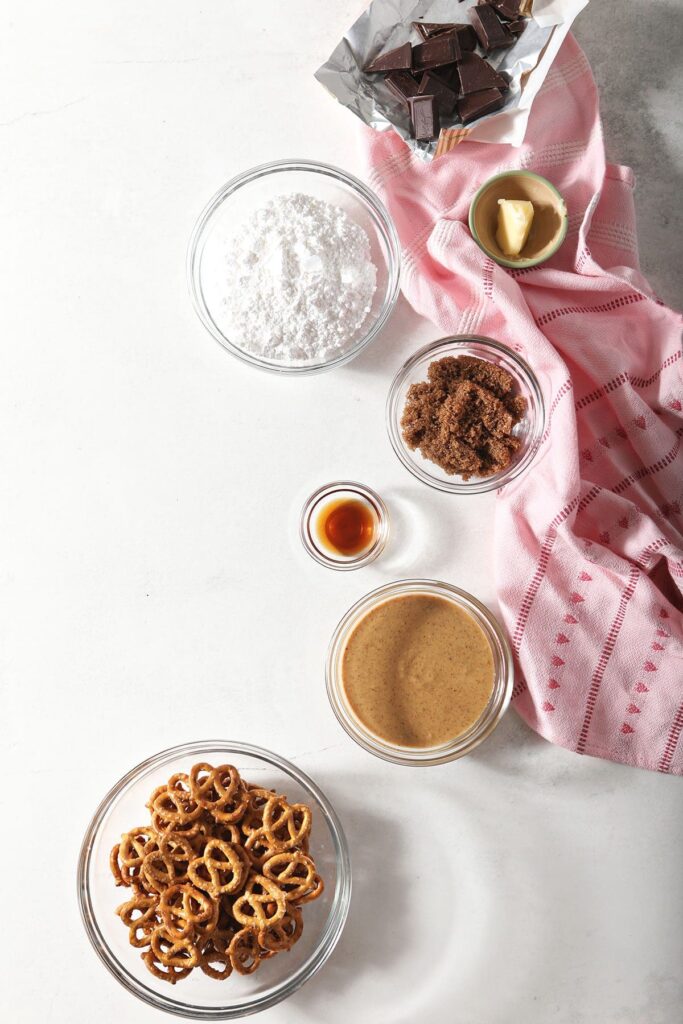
point(162, 971)
point(219, 790)
point(289, 824)
point(244, 951)
point(189, 829)
point(140, 915)
point(258, 847)
point(253, 816)
point(219, 870)
point(168, 864)
point(218, 879)
point(126, 857)
point(227, 831)
point(185, 911)
point(215, 962)
point(295, 873)
point(280, 937)
point(174, 803)
point(262, 903)
point(172, 952)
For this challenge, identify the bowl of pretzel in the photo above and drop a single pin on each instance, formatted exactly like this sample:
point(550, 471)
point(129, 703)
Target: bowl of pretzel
point(214, 880)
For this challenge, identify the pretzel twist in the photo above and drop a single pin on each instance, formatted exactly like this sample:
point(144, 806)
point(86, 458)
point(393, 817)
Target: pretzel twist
point(295, 873)
point(186, 911)
point(244, 951)
point(173, 952)
point(280, 937)
point(218, 879)
point(215, 961)
point(220, 869)
point(262, 904)
point(141, 916)
point(220, 791)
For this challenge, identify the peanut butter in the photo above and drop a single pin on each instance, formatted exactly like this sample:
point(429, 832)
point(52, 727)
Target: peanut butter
point(417, 670)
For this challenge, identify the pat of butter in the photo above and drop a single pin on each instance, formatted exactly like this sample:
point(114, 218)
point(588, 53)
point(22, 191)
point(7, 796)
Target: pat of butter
point(514, 223)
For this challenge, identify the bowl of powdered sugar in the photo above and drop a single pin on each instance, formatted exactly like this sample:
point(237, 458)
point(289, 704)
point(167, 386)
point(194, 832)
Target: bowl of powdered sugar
point(294, 266)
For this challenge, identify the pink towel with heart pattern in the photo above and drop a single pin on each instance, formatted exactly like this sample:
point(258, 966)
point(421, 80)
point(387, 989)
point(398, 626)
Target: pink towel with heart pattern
point(589, 542)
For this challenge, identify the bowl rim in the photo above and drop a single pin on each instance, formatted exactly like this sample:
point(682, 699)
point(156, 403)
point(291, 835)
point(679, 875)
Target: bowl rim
point(519, 264)
point(333, 927)
point(479, 485)
point(460, 745)
point(365, 194)
point(376, 503)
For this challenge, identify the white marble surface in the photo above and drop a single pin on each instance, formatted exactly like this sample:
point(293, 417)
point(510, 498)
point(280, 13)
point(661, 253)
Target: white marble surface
point(151, 589)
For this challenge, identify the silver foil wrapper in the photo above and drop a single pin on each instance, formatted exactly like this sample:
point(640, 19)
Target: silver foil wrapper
point(387, 23)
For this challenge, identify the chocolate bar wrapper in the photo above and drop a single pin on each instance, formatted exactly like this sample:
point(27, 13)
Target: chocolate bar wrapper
point(387, 24)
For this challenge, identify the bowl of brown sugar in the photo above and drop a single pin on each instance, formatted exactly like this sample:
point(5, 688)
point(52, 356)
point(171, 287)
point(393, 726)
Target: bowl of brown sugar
point(465, 414)
point(419, 672)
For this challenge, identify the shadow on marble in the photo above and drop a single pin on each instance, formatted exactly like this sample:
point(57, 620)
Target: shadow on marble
point(394, 344)
point(419, 534)
point(636, 54)
point(366, 943)
point(514, 749)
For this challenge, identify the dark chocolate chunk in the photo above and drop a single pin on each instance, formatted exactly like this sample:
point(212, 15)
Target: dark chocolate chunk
point(465, 34)
point(479, 103)
point(434, 53)
point(516, 27)
point(504, 80)
point(467, 37)
point(398, 59)
point(490, 30)
point(427, 29)
point(432, 85)
point(476, 74)
point(403, 86)
point(508, 8)
point(449, 74)
point(424, 117)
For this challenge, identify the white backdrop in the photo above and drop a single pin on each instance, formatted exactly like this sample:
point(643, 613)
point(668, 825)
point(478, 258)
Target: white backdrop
point(153, 590)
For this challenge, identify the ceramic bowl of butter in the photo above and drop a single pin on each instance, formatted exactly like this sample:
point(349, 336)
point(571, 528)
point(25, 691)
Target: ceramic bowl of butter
point(519, 219)
point(419, 672)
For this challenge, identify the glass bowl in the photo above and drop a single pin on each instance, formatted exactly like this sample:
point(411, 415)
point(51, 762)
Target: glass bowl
point(459, 745)
point(316, 503)
point(529, 429)
point(198, 996)
point(251, 190)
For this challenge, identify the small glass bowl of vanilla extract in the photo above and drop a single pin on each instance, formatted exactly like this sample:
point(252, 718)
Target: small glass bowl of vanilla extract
point(344, 525)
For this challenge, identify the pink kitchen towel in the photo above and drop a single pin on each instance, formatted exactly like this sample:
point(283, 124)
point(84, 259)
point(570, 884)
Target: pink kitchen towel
point(589, 542)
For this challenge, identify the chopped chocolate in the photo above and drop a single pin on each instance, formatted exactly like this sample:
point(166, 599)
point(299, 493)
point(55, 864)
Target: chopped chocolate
point(424, 117)
point(490, 30)
point(509, 9)
point(403, 86)
point(463, 416)
point(476, 74)
point(445, 72)
point(398, 59)
point(427, 29)
point(467, 37)
point(449, 75)
point(446, 98)
point(434, 53)
point(479, 103)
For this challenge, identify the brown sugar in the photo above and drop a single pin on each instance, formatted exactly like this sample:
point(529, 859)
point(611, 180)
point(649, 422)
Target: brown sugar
point(463, 416)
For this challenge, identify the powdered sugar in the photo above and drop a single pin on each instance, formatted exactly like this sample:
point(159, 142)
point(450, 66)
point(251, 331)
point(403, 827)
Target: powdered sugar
point(298, 281)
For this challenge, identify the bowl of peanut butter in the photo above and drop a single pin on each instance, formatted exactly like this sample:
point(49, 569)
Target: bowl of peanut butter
point(419, 672)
